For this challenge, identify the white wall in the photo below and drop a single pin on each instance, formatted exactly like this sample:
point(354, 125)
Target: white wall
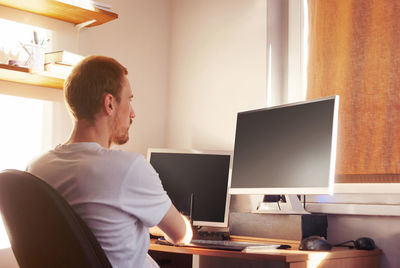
point(218, 62)
point(217, 68)
point(139, 39)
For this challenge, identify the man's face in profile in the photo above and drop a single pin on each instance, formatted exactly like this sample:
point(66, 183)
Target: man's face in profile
point(124, 116)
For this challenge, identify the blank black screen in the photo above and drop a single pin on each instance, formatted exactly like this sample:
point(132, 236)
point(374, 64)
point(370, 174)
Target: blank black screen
point(284, 147)
point(205, 175)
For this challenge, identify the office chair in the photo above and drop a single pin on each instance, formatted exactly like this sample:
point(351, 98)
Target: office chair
point(43, 229)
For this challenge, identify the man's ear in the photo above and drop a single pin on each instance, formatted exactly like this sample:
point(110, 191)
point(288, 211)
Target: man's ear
point(109, 103)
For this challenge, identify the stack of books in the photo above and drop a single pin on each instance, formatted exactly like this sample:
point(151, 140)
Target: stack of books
point(103, 6)
point(88, 4)
point(60, 63)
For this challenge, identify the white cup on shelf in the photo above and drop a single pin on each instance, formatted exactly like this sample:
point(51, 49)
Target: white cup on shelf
point(35, 61)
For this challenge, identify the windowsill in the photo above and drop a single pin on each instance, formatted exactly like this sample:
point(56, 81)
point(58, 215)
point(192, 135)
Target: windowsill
point(354, 209)
point(375, 199)
point(367, 188)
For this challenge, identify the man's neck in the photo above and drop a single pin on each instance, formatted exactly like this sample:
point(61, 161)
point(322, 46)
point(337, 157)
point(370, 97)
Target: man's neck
point(86, 131)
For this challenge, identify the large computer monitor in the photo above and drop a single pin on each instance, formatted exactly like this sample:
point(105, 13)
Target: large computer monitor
point(203, 176)
point(287, 149)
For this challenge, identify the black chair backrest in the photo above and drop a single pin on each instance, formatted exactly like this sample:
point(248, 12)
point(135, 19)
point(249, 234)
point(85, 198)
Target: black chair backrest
point(43, 229)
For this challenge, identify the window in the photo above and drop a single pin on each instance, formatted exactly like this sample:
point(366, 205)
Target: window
point(287, 36)
point(351, 61)
point(290, 27)
point(21, 136)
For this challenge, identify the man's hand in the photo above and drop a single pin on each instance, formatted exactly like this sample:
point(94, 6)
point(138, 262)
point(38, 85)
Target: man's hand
point(188, 233)
point(156, 231)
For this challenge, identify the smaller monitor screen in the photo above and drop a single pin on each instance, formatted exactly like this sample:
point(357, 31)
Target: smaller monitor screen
point(288, 149)
point(205, 175)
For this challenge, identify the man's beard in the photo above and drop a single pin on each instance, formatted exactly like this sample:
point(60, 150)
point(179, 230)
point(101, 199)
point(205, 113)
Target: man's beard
point(121, 137)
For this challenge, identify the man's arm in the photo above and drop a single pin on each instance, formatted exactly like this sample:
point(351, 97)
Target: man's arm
point(177, 228)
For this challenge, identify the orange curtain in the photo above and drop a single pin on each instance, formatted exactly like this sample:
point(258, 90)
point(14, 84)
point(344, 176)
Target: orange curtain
point(354, 51)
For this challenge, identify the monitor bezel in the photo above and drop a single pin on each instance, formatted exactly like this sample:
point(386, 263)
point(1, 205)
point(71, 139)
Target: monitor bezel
point(300, 190)
point(211, 152)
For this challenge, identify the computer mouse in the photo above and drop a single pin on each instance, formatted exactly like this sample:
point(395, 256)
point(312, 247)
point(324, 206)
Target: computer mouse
point(316, 243)
point(364, 243)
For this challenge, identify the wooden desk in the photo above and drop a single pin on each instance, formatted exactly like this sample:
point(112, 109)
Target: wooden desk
point(293, 258)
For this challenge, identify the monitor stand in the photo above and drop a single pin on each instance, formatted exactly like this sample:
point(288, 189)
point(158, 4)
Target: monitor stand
point(291, 206)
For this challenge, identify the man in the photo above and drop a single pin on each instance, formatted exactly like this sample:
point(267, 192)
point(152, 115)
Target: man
point(118, 194)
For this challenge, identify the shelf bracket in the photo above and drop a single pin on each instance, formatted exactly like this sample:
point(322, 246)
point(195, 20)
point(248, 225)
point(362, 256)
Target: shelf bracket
point(78, 28)
point(84, 24)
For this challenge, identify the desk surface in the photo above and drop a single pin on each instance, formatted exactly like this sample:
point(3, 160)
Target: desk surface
point(337, 257)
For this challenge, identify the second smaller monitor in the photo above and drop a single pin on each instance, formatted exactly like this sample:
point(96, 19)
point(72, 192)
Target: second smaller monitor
point(205, 175)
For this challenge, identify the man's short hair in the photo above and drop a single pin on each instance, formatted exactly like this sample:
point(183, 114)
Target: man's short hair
point(90, 80)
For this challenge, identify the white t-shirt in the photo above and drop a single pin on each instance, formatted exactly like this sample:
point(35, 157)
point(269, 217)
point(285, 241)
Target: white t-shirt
point(118, 194)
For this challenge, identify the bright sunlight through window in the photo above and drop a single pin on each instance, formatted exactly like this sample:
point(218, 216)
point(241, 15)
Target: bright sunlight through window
point(21, 137)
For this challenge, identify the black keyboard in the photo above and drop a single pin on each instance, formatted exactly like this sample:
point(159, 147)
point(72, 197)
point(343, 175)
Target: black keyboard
point(222, 244)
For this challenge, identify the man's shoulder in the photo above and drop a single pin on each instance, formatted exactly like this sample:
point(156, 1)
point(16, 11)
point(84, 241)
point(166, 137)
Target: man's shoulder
point(38, 160)
point(119, 155)
point(95, 155)
point(124, 161)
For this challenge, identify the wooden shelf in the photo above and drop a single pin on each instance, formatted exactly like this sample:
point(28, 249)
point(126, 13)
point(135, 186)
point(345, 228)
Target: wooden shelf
point(25, 76)
point(62, 11)
point(57, 10)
